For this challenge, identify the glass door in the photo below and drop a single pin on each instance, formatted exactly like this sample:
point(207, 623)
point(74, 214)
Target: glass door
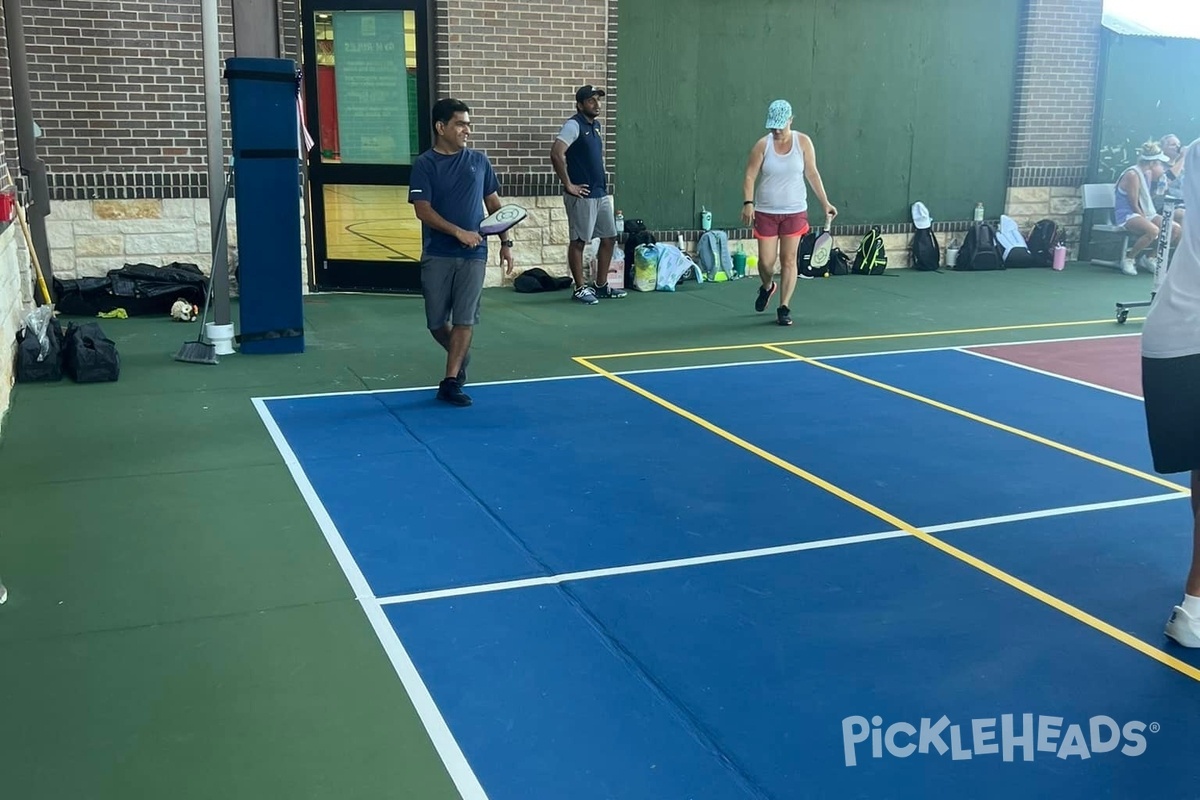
point(367, 100)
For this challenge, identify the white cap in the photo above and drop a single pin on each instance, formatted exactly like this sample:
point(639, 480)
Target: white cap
point(920, 215)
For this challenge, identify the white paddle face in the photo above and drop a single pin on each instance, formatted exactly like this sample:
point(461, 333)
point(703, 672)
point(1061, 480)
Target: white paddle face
point(505, 217)
point(822, 249)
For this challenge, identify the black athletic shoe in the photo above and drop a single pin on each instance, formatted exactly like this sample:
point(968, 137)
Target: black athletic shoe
point(450, 391)
point(764, 295)
point(784, 315)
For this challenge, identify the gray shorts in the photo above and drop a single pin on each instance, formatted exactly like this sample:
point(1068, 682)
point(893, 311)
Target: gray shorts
point(452, 288)
point(590, 217)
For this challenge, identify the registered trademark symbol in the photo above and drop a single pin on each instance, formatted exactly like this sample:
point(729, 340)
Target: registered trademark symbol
point(1155, 727)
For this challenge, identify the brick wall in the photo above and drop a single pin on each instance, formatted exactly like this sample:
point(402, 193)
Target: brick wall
point(118, 90)
point(118, 86)
point(1054, 108)
point(517, 66)
point(1055, 92)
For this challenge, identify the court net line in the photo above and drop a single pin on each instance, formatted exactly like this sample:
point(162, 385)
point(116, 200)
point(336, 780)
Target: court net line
point(1033, 437)
point(766, 361)
point(761, 552)
point(1014, 582)
point(839, 339)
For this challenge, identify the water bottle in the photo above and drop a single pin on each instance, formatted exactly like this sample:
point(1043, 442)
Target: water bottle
point(979, 212)
point(705, 218)
point(1060, 257)
point(739, 262)
point(620, 222)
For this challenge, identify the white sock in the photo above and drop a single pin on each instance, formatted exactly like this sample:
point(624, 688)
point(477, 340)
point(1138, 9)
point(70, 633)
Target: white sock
point(1191, 605)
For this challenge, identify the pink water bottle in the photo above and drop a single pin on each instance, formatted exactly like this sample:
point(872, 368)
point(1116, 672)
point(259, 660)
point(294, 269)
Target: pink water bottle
point(1060, 257)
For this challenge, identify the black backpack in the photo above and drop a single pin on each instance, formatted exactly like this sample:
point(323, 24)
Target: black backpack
point(804, 254)
point(635, 234)
point(871, 257)
point(979, 251)
point(1045, 236)
point(925, 250)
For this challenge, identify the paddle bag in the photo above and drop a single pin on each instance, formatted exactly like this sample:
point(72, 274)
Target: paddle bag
point(979, 251)
point(925, 251)
point(871, 257)
point(89, 355)
point(804, 253)
point(1045, 236)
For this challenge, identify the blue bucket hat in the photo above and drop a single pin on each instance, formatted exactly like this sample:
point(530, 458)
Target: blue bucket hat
point(778, 114)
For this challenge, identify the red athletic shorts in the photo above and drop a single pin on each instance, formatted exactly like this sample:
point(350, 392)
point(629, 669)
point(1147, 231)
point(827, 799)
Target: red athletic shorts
point(768, 226)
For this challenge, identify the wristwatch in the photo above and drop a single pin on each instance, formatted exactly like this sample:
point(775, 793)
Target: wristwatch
point(506, 243)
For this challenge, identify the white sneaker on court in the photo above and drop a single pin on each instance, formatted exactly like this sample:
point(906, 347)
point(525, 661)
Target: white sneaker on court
point(1184, 628)
point(1128, 267)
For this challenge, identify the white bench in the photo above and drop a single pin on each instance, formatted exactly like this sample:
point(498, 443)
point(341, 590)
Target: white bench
point(1101, 198)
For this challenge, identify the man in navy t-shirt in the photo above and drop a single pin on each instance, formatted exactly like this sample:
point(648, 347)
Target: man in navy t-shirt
point(450, 187)
point(577, 156)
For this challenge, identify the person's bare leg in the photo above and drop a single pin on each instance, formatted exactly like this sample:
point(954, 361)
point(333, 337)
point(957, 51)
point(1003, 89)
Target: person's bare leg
point(1147, 231)
point(789, 257)
point(442, 336)
point(768, 252)
point(445, 337)
point(1193, 581)
point(603, 261)
point(456, 351)
point(575, 262)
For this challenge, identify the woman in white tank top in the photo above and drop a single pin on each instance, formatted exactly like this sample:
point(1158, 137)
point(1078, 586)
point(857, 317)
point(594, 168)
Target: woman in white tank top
point(778, 209)
point(781, 189)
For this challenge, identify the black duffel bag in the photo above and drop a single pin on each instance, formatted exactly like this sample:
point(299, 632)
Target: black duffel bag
point(32, 366)
point(90, 356)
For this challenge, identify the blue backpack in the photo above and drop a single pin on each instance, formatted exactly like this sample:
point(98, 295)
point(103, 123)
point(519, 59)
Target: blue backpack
point(712, 251)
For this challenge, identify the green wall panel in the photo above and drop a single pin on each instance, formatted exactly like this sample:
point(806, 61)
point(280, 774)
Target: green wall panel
point(1150, 87)
point(901, 106)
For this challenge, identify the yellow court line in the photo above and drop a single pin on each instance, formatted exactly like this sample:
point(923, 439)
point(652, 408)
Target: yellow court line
point(865, 338)
point(1033, 437)
point(899, 524)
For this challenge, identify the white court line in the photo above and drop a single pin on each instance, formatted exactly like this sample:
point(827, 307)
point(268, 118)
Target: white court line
point(779, 360)
point(581, 376)
point(1028, 368)
point(435, 725)
point(741, 555)
point(965, 346)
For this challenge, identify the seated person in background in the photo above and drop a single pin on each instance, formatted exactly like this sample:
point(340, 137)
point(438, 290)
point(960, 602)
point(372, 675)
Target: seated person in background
point(1172, 180)
point(1134, 205)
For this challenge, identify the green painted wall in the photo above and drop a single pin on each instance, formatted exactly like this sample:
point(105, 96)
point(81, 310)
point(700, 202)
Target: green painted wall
point(901, 105)
point(1149, 87)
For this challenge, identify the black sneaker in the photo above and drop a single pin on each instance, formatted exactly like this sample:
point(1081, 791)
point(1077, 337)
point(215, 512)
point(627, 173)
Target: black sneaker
point(450, 391)
point(764, 296)
point(607, 292)
point(784, 315)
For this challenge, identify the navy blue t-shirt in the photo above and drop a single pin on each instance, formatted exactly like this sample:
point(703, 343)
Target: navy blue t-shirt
point(455, 186)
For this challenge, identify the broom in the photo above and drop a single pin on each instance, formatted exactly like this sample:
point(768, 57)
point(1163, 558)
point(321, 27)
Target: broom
point(200, 351)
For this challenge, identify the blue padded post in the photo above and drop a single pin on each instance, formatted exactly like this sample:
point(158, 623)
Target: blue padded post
point(267, 196)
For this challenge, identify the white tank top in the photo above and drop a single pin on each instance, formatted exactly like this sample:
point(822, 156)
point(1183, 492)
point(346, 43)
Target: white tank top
point(781, 188)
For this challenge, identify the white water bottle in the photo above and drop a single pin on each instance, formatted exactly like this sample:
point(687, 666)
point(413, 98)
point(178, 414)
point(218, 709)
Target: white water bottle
point(979, 212)
point(620, 221)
